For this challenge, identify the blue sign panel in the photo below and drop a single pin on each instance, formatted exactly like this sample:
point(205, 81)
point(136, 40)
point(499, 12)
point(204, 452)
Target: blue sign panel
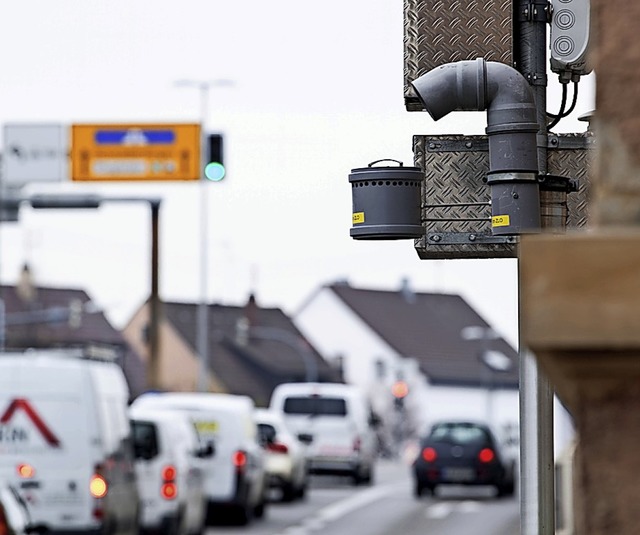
point(135, 137)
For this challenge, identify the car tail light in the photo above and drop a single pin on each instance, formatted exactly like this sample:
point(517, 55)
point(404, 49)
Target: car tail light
point(98, 488)
point(486, 455)
point(169, 473)
point(169, 489)
point(429, 454)
point(239, 460)
point(357, 444)
point(4, 524)
point(278, 447)
point(26, 470)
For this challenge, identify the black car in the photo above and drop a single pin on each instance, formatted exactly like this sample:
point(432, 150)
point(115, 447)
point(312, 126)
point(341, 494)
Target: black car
point(462, 453)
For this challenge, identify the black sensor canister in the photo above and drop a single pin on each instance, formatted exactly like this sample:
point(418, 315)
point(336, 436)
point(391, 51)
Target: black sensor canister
point(386, 202)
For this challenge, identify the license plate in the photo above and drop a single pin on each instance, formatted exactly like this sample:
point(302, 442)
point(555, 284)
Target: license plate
point(457, 474)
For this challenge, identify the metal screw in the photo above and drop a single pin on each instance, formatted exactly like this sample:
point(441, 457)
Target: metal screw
point(468, 144)
point(432, 145)
point(515, 195)
point(435, 238)
point(472, 237)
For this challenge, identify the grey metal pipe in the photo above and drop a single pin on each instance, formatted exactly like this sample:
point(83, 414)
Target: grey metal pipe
point(512, 127)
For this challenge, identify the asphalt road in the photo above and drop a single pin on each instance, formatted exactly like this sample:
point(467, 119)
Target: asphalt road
point(335, 507)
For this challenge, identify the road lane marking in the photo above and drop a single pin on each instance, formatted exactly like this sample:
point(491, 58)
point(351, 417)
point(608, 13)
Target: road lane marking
point(440, 510)
point(333, 512)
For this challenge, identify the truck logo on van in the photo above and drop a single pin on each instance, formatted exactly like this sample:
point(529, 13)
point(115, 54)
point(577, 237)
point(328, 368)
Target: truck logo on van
point(9, 434)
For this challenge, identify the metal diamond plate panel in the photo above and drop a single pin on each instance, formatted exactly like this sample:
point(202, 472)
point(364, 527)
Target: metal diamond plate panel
point(442, 31)
point(456, 209)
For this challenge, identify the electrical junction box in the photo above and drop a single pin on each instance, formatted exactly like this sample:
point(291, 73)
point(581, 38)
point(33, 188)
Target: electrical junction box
point(437, 32)
point(456, 203)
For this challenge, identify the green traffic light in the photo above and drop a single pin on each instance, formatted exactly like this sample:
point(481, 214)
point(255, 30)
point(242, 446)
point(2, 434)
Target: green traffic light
point(214, 171)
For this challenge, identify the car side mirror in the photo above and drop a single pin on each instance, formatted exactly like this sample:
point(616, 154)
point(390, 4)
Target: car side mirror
point(305, 438)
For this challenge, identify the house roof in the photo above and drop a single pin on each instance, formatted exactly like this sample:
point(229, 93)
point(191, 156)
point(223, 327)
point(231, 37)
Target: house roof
point(274, 351)
point(23, 331)
point(429, 328)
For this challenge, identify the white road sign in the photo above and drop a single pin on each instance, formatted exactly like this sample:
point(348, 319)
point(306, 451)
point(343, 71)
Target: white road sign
point(35, 153)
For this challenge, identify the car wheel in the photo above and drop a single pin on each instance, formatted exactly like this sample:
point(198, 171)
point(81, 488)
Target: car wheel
point(258, 510)
point(288, 492)
point(245, 514)
point(506, 488)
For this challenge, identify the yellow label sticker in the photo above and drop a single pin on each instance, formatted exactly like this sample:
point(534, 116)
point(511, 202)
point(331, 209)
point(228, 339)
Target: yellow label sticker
point(358, 217)
point(206, 427)
point(500, 221)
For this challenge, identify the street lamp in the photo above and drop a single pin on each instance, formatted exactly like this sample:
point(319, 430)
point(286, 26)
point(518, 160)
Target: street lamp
point(295, 342)
point(202, 342)
point(494, 361)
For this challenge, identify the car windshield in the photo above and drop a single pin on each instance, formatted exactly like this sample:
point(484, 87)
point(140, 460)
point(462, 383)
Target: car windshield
point(459, 434)
point(316, 406)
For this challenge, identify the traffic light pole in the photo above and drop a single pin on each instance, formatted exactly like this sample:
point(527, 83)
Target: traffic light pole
point(537, 493)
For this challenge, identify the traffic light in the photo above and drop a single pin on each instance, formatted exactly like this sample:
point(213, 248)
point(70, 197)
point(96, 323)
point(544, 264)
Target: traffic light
point(400, 390)
point(214, 167)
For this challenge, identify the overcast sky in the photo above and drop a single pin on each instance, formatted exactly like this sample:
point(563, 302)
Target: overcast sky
point(318, 90)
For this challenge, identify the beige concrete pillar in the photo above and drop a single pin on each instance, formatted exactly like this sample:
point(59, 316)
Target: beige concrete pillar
point(580, 292)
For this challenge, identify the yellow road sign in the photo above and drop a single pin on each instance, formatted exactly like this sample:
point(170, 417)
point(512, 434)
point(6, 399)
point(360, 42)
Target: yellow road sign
point(135, 152)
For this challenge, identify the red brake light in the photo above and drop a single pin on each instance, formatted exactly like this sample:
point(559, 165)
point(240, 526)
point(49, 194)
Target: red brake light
point(169, 491)
point(486, 455)
point(98, 486)
point(4, 527)
point(278, 447)
point(429, 454)
point(26, 470)
point(239, 459)
point(169, 473)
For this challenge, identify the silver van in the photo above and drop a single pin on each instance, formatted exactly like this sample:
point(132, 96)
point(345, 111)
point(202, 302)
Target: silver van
point(65, 442)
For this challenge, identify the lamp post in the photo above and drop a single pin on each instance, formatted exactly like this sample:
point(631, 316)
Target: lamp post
point(297, 343)
point(202, 341)
point(493, 361)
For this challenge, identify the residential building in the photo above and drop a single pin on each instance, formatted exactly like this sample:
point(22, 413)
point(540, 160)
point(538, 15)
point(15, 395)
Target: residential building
point(454, 364)
point(250, 349)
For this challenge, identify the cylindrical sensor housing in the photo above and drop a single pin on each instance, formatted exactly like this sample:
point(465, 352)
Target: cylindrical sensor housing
point(386, 202)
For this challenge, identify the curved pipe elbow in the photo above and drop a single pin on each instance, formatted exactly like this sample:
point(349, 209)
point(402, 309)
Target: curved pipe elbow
point(478, 85)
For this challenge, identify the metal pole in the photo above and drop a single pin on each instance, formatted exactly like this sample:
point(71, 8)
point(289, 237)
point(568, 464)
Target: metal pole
point(154, 303)
point(537, 496)
point(203, 309)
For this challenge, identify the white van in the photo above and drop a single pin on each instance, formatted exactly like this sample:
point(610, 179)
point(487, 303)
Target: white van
point(336, 422)
point(235, 478)
point(65, 441)
point(170, 478)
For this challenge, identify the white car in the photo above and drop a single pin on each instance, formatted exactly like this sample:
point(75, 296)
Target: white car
point(235, 479)
point(170, 479)
point(286, 464)
point(335, 420)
